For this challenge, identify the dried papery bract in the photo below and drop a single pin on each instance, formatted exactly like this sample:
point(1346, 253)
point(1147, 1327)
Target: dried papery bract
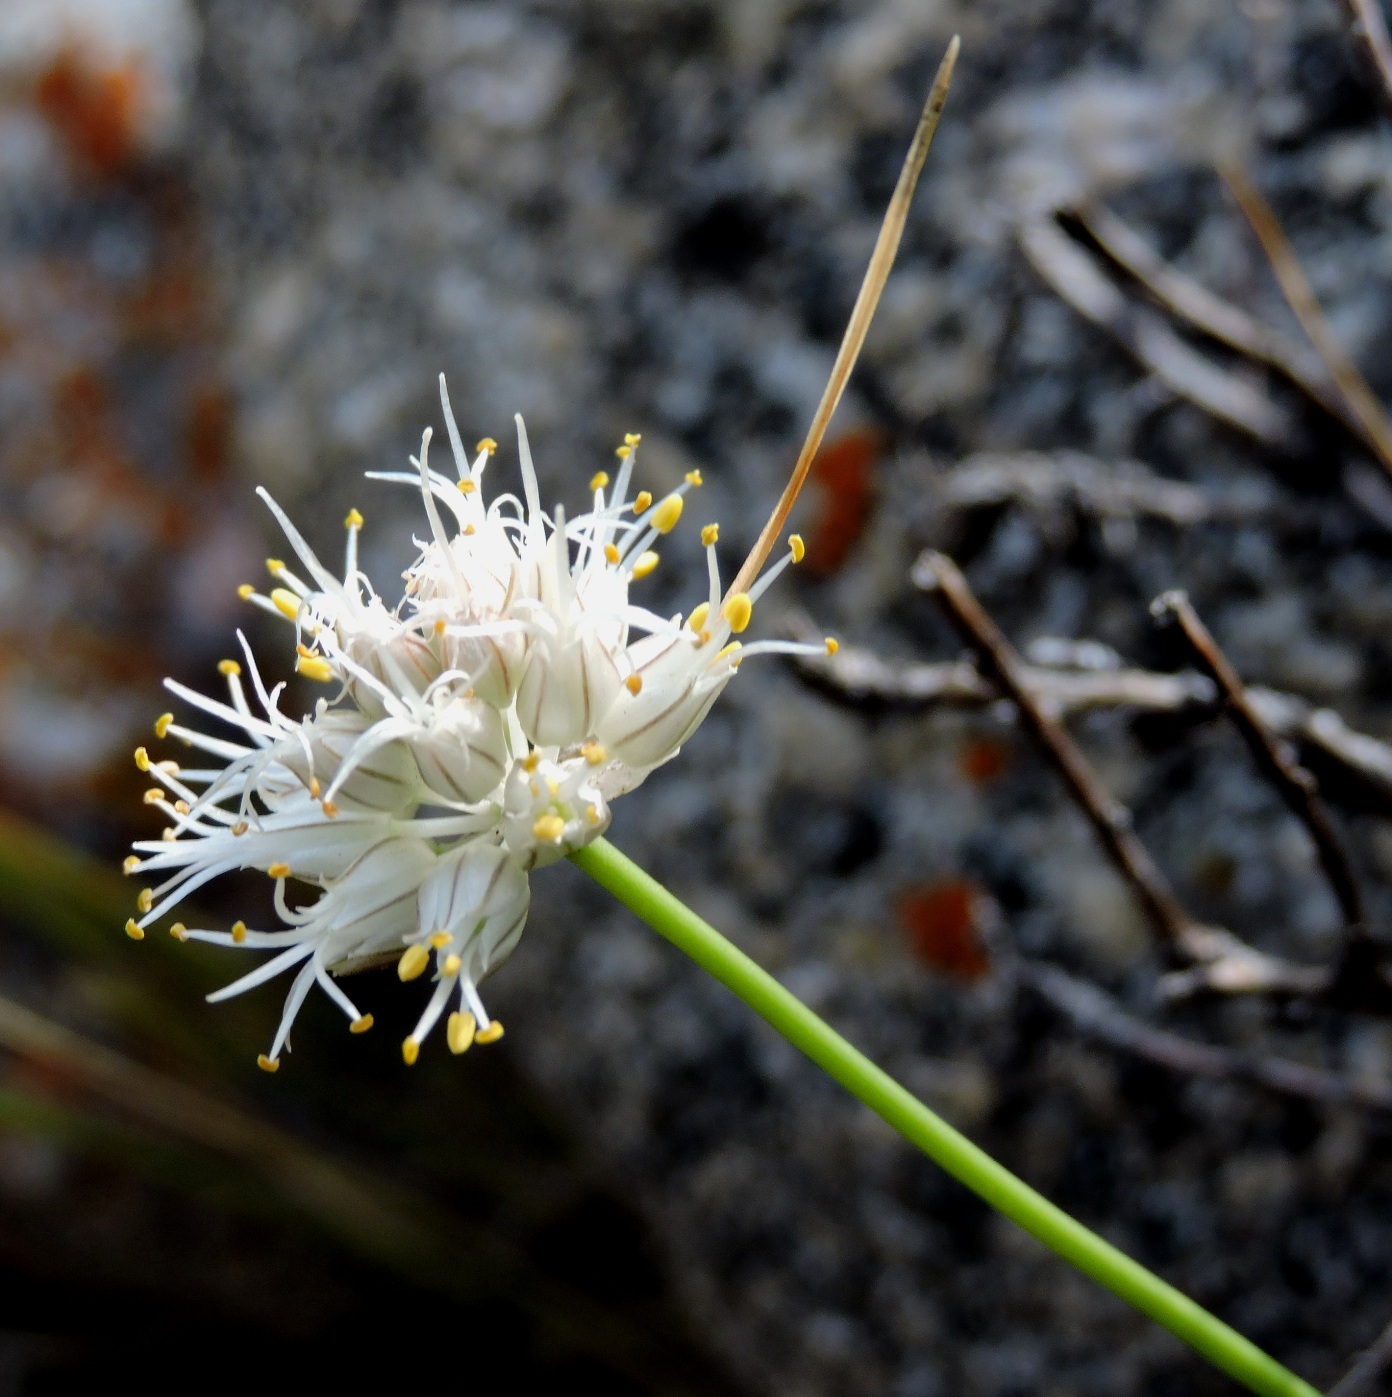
point(876, 274)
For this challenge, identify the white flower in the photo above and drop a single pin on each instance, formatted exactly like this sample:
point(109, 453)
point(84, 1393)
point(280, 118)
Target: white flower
point(475, 732)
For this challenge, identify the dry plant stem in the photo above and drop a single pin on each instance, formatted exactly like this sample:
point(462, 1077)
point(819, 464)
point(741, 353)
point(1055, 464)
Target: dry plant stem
point(938, 574)
point(1223, 962)
point(1143, 332)
point(1370, 29)
point(1369, 1367)
point(1297, 787)
point(876, 274)
point(1210, 314)
point(1363, 406)
point(1097, 1015)
point(1008, 1195)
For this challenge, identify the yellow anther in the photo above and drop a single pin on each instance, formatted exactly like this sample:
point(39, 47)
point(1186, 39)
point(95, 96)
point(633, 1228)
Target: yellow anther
point(153, 796)
point(832, 645)
point(710, 535)
point(440, 625)
point(451, 965)
point(611, 554)
point(647, 563)
point(134, 930)
point(469, 531)
point(361, 1025)
point(228, 668)
point(410, 1051)
point(665, 516)
point(275, 566)
point(246, 590)
point(440, 939)
point(489, 1033)
point(553, 786)
point(693, 479)
point(239, 932)
point(315, 668)
point(142, 759)
point(129, 864)
point(179, 931)
point(623, 452)
point(592, 814)
point(163, 723)
point(641, 501)
point(413, 961)
point(330, 809)
point(278, 870)
point(460, 1033)
point(240, 827)
point(593, 752)
point(468, 485)
point(529, 762)
point(286, 602)
point(549, 829)
point(314, 788)
point(632, 438)
point(169, 835)
point(697, 619)
point(487, 444)
point(634, 684)
point(599, 480)
point(171, 768)
point(797, 547)
point(737, 611)
point(730, 652)
point(267, 1064)
point(353, 520)
point(182, 806)
point(146, 900)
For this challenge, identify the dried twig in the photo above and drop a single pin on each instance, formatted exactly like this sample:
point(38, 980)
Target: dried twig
point(1363, 406)
point(1297, 787)
point(1212, 315)
point(1370, 29)
point(1144, 333)
point(1097, 1015)
point(1222, 961)
point(1370, 1364)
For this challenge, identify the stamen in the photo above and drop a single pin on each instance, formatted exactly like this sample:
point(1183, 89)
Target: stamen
point(598, 481)
point(737, 611)
point(134, 930)
point(410, 1051)
point(710, 535)
point(594, 753)
point(632, 438)
point(142, 759)
point(634, 684)
point(315, 668)
point(413, 961)
point(623, 452)
point(440, 939)
point(146, 900)
point(693, 479)
point(549, 829)
point(279, 870)
point(697, 619)
point(665, 516)
point(468, 485)
point(486, 444)
point(361, 1025)
point(246, 591)
point(267, 1064)
point(641, 501)
point(179, 931)
point(611, 554)
point(153, 796)
point(162, 724)
point(489, 1033)
point(354, 520)
point(832, 645)
point(451, 965)
point(460, 1032)
point(646, 563)
point(228, 668)
point(274, 566)
point(130, 864)
point(286, 602)
point(239, 933)
point(797, 547)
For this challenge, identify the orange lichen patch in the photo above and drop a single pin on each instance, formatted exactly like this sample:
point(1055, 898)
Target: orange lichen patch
point(939, 922)
point(982, 759)
point(844, 477)
point(95, 110)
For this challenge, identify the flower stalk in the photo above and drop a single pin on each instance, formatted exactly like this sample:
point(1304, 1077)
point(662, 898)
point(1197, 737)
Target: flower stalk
point(1221, 1345)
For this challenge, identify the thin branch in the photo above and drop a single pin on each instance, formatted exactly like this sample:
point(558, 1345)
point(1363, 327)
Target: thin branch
point(1223, 321)
point(1096, 1015)
point(1370, 29)
point(1144, 333)
point(1297, 786)
point(876, 274)
point(1362, 404)
point(1371, 1363)
point(1222, 962)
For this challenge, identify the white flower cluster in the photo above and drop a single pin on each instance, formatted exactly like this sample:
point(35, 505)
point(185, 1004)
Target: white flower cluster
point(477, 730)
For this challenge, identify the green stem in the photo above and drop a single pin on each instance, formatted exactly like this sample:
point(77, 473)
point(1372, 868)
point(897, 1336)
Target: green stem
point(1222, 1346)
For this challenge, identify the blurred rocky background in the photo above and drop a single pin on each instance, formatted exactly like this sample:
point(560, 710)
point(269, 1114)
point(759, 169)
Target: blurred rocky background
point(237, 245)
